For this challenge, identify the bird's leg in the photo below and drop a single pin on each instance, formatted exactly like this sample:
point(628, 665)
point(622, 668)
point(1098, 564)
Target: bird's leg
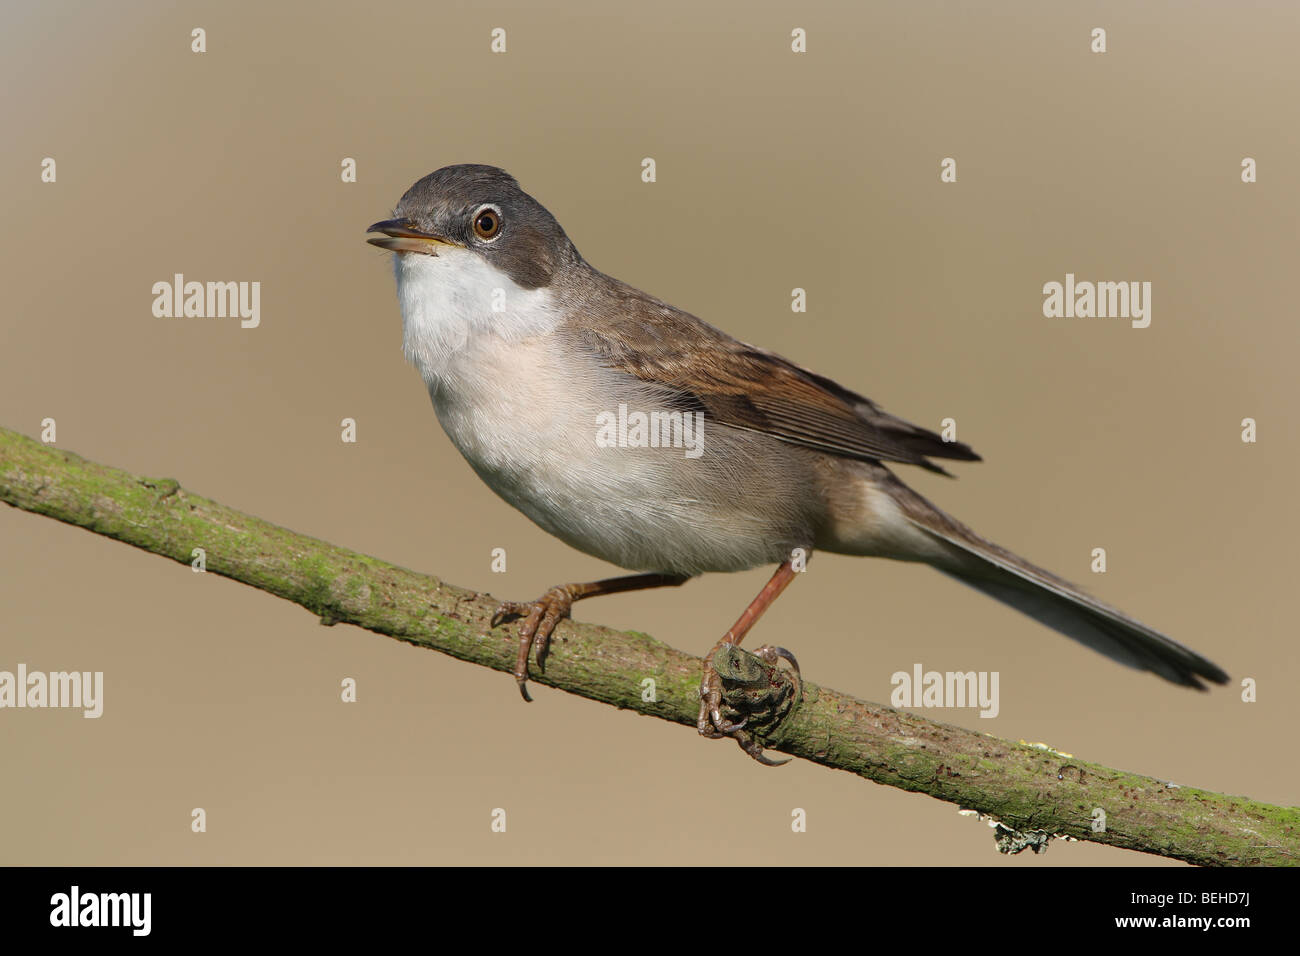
point(541, 616)
point(711, 723)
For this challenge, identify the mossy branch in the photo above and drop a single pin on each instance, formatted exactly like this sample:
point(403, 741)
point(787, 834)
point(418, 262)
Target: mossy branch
point(1034, 793)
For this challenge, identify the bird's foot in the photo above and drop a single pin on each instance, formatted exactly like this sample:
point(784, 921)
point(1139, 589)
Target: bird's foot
point(540, 618)
point(735, 682)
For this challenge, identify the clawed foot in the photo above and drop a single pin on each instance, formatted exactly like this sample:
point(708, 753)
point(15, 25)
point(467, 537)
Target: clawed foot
point(541, 617)
point(712, 724)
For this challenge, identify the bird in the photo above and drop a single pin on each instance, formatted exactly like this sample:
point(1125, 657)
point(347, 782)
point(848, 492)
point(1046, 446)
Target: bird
point(636, 432)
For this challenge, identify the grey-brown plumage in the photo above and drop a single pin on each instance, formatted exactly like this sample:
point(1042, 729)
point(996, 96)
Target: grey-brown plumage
point(792, 459)
point(741, 386)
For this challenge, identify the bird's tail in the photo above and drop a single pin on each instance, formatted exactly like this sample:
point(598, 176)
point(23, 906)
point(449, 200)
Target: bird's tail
point(1053, 601)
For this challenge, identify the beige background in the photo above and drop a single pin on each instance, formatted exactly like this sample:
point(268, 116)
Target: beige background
point(775, 171)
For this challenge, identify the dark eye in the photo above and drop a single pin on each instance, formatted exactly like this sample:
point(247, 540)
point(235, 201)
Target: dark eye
point(487, 223)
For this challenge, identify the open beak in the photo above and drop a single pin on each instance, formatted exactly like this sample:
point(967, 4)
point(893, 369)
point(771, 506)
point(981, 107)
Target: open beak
point(401, 235)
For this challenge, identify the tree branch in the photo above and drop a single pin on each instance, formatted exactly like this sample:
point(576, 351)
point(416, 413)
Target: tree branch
point(1035, 793)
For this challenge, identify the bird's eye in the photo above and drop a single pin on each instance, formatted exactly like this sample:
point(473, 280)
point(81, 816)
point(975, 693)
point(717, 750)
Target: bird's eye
point(487, 223)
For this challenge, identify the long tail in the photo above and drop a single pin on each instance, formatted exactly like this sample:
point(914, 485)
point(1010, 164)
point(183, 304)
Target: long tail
point(1053, 601)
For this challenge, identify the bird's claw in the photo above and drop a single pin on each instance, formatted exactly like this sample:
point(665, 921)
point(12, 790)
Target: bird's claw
point(540, 619)
point(713, 724)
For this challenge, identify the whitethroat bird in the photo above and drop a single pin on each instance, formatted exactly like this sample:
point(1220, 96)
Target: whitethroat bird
point(544, 372)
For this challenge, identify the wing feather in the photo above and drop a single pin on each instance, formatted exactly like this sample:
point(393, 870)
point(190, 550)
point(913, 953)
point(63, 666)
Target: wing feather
point(750, 388)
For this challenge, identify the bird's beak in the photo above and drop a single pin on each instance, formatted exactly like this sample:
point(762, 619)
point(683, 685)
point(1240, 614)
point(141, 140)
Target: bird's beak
point(401, 235)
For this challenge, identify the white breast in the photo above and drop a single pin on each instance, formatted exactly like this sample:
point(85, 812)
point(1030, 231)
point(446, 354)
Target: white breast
point(515, 406)
point(455, 299)
point(523, 412)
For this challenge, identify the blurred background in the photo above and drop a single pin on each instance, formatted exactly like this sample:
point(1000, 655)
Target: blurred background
point(775, 170)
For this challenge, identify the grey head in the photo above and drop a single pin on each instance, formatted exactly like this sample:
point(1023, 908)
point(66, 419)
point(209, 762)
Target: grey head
point(482, 209)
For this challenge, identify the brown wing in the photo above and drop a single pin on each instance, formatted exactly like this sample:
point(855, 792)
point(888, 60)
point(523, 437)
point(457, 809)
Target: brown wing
point(747, 387)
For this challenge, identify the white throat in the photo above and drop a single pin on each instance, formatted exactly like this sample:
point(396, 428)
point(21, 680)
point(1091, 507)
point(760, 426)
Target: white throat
point(456, 301)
